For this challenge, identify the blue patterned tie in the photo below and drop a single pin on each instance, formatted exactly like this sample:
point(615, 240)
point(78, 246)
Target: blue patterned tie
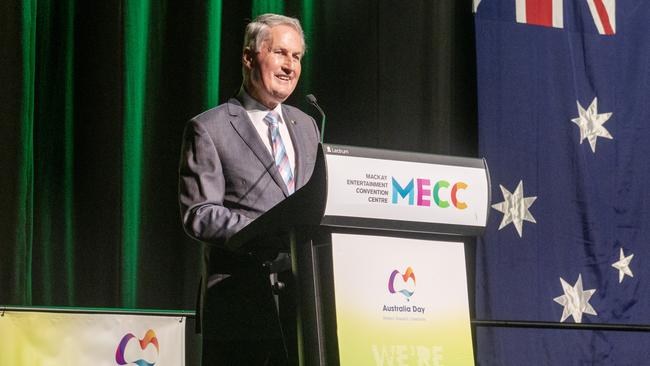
point(279, 151)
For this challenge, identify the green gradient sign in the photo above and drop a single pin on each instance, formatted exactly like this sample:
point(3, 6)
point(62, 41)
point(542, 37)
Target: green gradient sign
point(401, 301)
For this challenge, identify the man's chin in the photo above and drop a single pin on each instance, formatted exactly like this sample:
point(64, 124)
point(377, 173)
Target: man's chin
point(280, 97)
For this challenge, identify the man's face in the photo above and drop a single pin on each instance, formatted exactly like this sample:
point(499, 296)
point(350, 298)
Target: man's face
point(275, 68)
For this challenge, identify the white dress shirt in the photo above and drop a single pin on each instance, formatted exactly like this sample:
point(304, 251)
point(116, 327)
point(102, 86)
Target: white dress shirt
point(256, 112)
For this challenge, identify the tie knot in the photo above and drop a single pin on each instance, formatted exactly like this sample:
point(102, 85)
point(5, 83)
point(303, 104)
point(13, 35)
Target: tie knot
point(272, 118)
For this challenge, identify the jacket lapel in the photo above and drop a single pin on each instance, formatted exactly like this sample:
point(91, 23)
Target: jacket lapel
point(244, 127)
point(299, 147)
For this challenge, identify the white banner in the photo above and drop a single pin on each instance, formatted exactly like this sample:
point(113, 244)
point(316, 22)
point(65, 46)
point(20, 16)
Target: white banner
point(401, 301)
point(49, 339)
point(407, 191)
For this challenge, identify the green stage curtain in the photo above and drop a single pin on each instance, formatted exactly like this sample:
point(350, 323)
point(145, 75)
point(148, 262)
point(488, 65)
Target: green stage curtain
point(95, 96)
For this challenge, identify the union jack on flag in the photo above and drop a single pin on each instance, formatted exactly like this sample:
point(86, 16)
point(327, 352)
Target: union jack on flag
point(550, 13)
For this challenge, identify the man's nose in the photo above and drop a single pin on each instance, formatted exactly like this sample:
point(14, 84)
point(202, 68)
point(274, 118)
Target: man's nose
point(289, 64)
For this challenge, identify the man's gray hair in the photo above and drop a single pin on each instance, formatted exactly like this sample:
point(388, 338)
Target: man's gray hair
point(258, 30)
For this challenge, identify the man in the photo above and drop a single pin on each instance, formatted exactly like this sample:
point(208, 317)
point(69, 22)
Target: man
point(238, 160)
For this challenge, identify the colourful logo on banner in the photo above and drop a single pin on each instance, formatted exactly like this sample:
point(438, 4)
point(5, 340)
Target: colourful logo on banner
point(402, 286)
point(426, 190)
point(149, 338)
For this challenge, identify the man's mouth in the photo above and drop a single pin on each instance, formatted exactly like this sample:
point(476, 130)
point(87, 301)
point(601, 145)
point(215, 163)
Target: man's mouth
point(284, 77)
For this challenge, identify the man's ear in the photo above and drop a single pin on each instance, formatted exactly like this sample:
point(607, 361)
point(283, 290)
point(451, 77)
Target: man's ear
point(248, 58)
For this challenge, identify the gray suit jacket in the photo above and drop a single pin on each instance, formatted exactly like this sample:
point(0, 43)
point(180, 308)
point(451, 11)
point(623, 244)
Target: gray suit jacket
point(227, 178)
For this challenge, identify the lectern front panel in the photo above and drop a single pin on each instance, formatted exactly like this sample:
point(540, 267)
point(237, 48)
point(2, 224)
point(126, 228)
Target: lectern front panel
point(400, 301)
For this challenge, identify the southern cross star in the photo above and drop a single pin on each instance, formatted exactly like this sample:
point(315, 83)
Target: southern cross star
point(515, 208)
point(591, 123)
point(575, 300)
point(623, 266)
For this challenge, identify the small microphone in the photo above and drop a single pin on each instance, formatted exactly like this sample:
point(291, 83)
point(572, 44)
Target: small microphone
point(312, 100)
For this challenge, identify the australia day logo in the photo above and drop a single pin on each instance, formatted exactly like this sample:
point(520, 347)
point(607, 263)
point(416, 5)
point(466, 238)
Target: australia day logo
point(144, 356)
point(402, 283)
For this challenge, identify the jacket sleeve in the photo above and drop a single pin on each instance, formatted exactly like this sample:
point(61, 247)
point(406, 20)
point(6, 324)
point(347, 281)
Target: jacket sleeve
point(202, 189)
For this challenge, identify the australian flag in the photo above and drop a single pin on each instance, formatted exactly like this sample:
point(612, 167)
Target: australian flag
point(564, 123)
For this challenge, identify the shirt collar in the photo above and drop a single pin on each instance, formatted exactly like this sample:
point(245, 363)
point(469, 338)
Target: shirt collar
point(253, 106)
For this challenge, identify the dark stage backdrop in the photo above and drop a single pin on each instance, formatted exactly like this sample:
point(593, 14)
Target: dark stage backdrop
point(94, 97)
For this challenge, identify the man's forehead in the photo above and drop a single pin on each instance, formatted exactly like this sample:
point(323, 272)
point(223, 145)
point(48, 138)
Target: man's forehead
point(280, 30)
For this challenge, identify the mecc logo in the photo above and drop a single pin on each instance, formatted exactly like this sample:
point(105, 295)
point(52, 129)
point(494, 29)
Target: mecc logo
point(425, 193)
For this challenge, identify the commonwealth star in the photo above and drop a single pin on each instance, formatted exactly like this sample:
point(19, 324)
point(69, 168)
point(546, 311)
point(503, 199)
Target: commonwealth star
point(515, 208)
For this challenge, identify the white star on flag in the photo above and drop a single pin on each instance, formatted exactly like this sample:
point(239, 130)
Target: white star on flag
point(515, 208)
point(575, 300)
point(475, 4)
point(591, 123)
point(623, 266)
